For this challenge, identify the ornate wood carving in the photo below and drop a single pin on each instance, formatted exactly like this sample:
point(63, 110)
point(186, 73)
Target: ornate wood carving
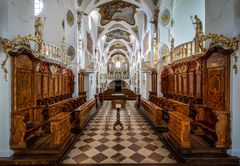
point(179, 129)
point(60, 128)
point(153, 111)
point(203, 82)
point(18, 131)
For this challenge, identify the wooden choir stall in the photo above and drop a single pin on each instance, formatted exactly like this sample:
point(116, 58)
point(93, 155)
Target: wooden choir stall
point(46, 119)
point(195, 106)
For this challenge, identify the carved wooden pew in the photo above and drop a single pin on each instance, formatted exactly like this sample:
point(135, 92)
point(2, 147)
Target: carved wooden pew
point(179, 128)
point(153, 112)
point(60, 128)
point(83, 113)
point(26, 124)
point(215, 121)
point(179, 106)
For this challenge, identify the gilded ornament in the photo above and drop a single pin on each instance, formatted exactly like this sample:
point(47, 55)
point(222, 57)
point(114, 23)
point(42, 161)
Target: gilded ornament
point(20, 42)
point(223, 41)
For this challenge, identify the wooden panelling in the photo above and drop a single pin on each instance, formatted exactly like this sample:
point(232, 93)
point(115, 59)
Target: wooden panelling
point(45, 84)
point(38, 86)
point(204, 84)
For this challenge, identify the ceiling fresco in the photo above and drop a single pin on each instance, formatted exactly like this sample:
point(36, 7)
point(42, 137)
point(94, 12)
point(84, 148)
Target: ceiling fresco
point(118, 34)
point(117, 11)
point(118, 46)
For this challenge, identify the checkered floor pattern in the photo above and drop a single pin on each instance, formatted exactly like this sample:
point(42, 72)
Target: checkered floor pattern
point(137, 144)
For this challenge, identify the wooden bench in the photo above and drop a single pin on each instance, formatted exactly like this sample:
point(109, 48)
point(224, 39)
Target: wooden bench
point(153, 112)
point(83, 113)
point(179, 128)
point(215, 121)
point(60, 128)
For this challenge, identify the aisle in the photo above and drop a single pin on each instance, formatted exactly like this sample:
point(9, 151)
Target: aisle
point(136, 145)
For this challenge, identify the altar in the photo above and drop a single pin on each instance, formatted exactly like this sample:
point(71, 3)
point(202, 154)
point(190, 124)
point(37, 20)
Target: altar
point(118, 98)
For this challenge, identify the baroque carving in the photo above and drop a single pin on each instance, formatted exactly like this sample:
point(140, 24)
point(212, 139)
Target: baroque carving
point(227, 43)
point(16, 45)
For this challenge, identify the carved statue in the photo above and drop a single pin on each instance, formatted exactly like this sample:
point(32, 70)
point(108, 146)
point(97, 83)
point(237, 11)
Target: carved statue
point(198, 25)
point(39, 25)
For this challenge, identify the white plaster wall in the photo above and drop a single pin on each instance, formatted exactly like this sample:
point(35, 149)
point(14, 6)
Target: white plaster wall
point(219, 17)
point(16, 18)
point(223, 17)
point(54, 12)
point(183, 30)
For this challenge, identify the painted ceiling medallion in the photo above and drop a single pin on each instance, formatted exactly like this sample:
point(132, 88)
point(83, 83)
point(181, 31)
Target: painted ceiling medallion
point(70, 18)
point(71, 52)
point(165, 17)
point(117, 46)
point(164, 50)
point(117, 11)
point(118, 34)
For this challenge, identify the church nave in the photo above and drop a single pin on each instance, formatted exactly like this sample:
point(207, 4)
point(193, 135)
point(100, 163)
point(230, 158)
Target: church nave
point(139, 144)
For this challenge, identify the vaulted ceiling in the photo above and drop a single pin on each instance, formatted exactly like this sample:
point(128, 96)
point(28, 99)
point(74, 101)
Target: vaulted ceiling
point(118, 23)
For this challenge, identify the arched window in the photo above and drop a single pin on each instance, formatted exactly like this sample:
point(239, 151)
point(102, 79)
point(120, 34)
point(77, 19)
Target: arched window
point(38, 6)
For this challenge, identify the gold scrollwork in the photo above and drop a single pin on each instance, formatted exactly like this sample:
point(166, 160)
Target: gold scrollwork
point(20, 42)
point(223, 41)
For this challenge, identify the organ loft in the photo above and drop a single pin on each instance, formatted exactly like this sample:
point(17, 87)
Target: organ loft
point(113, 82)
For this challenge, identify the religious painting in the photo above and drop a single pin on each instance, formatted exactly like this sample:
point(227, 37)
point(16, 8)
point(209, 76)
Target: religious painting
point(79, 2)
point(118, 34)
point(146, 43)
point(89, 43)
point(105, 45)
point(99, 31)
point(117, 11)
point(155, 2)
point(118, 46)
point(71, 52)
point(96, 1)
point(98, 56)
point(135, 30)
point(70, 18)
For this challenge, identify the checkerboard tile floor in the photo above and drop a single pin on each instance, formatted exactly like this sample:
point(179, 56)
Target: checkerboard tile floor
point(138, 144)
